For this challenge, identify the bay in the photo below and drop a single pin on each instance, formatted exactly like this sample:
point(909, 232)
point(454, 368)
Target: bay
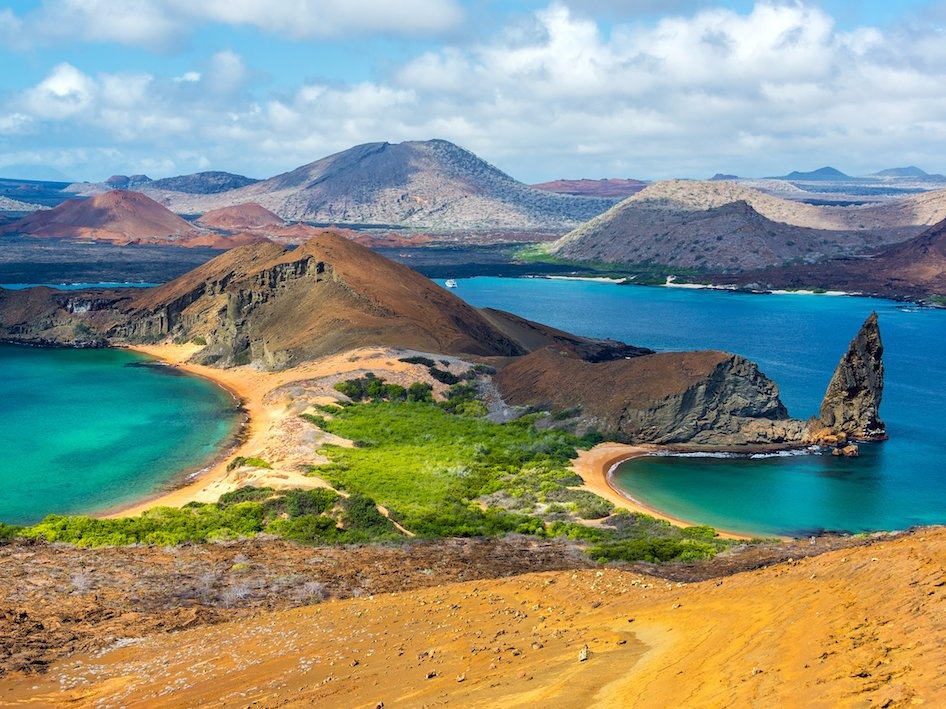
point(797, 340)
point(86, 430)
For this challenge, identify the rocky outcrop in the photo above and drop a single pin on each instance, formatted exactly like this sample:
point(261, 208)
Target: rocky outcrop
point(851, 404)
point(700, 399)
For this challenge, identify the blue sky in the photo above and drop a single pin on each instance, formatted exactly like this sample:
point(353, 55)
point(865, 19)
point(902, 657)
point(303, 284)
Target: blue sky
point(600, 88)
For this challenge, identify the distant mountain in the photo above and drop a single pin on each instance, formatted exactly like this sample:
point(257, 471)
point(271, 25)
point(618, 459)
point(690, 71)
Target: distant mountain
point(608, 187)
point(911, 171)
point(823, 174)
point(126, 182)
point(724, 226)
point(723, 176)
point(240, 216)
point(432, 184)
point(203, 183)
point(119, 215)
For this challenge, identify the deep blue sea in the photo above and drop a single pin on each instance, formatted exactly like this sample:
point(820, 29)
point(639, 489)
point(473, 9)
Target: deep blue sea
point(797, 340)
point(85, 430)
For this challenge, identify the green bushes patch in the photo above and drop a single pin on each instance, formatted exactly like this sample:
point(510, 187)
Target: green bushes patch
point(317, 516)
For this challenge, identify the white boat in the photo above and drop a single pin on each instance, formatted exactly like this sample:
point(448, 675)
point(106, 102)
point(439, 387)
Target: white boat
point(450, 283)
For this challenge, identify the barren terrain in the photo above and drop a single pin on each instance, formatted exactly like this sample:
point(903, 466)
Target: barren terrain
point(859, 626)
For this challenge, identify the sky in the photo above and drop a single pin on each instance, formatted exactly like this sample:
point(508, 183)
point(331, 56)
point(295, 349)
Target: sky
point(646, 89)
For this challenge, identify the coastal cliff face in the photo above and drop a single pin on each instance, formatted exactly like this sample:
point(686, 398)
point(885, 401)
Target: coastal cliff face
point(705, 399)
point(851, 404)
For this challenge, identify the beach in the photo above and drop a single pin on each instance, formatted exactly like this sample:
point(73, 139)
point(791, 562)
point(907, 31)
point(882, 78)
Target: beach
point(273, 430)
point(595, 465)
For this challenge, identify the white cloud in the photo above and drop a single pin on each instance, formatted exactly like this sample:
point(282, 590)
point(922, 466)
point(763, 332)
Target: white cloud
point(776, 88)
point(157, 24)
point(63, 94)
point(226, 72)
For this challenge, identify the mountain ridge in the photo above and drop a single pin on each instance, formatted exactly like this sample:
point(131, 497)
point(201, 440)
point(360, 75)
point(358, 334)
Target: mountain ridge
point(415, 184)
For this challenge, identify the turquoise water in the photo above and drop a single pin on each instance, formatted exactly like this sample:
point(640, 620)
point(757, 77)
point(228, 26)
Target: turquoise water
point(86, 430)
point(797, 340)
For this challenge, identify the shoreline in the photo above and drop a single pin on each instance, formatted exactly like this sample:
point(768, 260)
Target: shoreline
point(271, 430)
point(596, 466)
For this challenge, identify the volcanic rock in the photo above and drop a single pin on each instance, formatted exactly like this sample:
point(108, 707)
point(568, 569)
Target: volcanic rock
point(430, 184)
point(706, 399)
point(852, 402)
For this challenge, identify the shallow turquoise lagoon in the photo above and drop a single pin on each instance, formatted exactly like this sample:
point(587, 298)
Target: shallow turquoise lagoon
point(797, 339)
point(86, 430)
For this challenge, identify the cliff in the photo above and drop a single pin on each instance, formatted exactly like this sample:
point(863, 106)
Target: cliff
point(851, 404)
point(702, 399)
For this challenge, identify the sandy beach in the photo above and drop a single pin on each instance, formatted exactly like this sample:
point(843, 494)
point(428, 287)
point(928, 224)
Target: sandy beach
point(273, 430)
point(594, 466)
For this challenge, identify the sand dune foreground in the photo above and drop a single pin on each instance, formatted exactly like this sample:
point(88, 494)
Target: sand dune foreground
point(855, 627)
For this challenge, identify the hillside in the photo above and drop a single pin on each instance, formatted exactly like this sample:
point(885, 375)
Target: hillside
point(118, 216)
point(239, 217)
point(853, 627)
point(211, 182)
point(911, 269)
point(721, 225)
point(425, 184)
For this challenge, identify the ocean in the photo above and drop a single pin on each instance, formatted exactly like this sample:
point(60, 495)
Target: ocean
point(797, 340)
point(82, 431)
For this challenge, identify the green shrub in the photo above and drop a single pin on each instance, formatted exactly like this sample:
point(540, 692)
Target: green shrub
point(240, 461)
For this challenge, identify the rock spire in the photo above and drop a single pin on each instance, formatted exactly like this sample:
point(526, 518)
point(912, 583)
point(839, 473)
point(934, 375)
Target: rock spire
point(852, 402)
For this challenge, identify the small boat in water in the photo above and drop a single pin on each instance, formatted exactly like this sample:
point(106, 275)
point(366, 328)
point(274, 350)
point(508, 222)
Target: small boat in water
point(450, 283)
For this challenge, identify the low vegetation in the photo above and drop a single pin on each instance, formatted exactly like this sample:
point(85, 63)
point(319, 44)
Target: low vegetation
point(439, 468)
point(319, 516)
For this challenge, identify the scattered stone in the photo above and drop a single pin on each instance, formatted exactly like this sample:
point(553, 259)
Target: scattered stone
point(583, 654)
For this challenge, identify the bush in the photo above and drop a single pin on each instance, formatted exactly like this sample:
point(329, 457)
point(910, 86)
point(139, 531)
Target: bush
point(426, 361)
point(420, 392)
point(9, 531)
point(240, 461)
point(444, 376)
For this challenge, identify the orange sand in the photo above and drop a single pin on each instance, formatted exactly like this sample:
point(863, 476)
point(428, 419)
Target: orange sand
point(274, 431)
point(853, 628)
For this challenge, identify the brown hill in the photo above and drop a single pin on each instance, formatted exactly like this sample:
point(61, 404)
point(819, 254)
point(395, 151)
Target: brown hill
point(724, 226)
point(608, 187)
point(860, 626)
point(912, 269)
point(278, 306)
point(240, 217)
point(706, 399)
point(118, 216)
point(430, 184)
